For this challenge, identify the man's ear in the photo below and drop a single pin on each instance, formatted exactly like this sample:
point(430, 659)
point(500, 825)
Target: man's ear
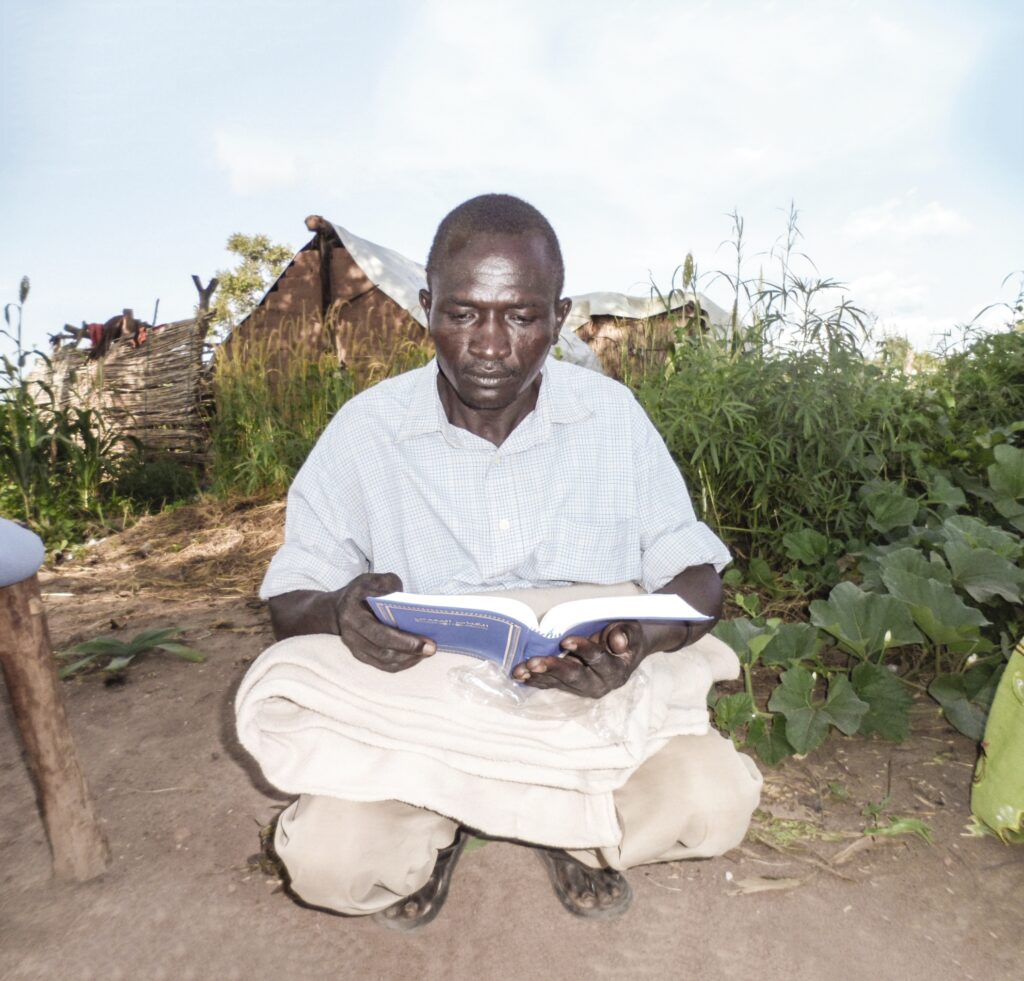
point(562, 308)
point(425, 302)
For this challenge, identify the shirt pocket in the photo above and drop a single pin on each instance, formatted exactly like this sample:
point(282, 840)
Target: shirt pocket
point(592, 549)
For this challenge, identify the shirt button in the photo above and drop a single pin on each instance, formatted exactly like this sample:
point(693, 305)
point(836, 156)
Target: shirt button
point(503, 524)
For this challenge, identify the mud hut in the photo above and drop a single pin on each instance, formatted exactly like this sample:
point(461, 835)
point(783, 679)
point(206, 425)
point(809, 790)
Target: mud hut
point(630, 334)
point(340, 294)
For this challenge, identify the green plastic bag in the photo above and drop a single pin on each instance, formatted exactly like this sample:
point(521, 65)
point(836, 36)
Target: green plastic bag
point(997, 797)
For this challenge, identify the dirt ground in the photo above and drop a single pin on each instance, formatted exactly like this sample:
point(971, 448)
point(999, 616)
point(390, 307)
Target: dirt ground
point(808, 895)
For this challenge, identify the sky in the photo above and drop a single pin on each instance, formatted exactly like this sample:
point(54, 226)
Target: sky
point(137, 135)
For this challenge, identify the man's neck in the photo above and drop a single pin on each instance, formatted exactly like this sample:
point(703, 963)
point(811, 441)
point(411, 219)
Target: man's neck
point(493, 425)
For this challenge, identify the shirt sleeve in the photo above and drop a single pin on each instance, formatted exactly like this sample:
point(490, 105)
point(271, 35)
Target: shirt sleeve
point(671, 537)
point(325, 537)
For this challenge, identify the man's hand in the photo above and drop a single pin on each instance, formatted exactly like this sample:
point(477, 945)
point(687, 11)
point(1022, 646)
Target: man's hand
point(369, 640)
point(592, 666)
point(345, 613)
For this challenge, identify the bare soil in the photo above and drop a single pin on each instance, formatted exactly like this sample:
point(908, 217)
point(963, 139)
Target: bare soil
point(808, 895)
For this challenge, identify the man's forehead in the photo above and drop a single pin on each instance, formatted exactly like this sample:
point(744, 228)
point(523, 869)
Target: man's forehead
point(525, 252)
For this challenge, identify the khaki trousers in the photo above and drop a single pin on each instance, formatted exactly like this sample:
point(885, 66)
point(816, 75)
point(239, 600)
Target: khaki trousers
point(692, 799)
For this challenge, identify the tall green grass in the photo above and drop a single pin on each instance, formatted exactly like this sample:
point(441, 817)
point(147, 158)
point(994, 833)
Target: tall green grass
point(779, 423)
point(59, 465)
point(273, 402)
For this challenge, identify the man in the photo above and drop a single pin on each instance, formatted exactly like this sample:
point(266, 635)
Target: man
point(496, 468)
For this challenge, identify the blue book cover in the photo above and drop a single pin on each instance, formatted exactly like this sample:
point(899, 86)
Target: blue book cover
point(506, 631)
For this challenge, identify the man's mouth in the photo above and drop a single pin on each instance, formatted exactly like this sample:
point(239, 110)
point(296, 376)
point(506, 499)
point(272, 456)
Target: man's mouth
point(488, 378)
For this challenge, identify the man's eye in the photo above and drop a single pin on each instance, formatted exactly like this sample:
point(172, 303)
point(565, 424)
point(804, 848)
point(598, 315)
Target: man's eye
point(460, 317)
point(521, 319)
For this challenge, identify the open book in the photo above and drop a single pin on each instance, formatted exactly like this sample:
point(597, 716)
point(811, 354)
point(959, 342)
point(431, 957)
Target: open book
point(506, 631)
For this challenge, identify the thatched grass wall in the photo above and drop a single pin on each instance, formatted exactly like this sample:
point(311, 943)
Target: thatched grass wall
point(153, 392)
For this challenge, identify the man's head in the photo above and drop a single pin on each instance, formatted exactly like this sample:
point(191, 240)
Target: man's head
point(500, 214)
point(493, 304)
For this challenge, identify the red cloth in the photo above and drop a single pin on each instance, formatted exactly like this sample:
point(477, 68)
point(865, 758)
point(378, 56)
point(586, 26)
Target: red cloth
point(95, 334)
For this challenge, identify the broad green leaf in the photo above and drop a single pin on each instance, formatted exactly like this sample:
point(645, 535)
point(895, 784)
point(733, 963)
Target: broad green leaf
point(966, 698)
point(1006, 478)
point(767, 737)
point(808, 721)
point(733, 711)
point(983, 574)
point(1012, 510)
point(807, 546)
point(977, 534)
point(181, 650)
point(888, 506)
point(794, 700)
point(1006, 475)
point(792, 642)
point(914, 560)
point(759, 573)
point(865, 624)
point(737, 634)
point(943, 492)
point(888, 701)
point(937, 610)
point(842, 707)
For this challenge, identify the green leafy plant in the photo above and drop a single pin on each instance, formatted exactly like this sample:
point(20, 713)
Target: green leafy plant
point(879, 498)
point(120, 654)
point(259, 263)
point(58, 463)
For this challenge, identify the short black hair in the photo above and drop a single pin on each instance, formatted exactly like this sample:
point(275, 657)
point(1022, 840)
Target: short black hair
point(498, 214)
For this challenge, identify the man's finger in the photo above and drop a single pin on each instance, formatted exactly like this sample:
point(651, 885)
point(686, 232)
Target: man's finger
point(377, 636)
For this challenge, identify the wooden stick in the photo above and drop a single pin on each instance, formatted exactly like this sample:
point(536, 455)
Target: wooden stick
point(79, 849)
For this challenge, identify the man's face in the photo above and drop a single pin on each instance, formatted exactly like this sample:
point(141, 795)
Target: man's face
point(494, 313)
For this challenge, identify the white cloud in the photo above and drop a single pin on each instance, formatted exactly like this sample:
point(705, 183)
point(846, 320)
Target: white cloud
point(255, 162)
point(889, 291)
point(898, 219)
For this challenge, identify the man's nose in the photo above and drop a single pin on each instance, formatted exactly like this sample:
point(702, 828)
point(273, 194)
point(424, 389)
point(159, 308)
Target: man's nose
point(491, 340)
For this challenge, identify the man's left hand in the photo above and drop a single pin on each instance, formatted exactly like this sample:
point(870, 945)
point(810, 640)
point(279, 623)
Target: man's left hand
point(592, 666)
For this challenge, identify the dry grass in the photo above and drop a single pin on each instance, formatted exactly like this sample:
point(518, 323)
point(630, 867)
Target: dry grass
point(211, 547)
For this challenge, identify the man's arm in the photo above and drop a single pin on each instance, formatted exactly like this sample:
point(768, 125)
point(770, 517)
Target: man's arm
point(701, 587)
point(344, 612)
point(594, 666)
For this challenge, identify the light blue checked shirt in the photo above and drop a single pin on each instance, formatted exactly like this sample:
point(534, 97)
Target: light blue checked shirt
point(583, 490)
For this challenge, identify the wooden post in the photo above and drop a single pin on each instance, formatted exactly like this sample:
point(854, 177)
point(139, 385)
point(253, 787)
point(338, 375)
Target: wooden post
point(205, 292)
point(30, 670)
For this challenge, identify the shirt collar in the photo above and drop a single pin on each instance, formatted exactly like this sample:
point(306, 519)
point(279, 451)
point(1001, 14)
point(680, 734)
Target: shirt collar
point(557, 404)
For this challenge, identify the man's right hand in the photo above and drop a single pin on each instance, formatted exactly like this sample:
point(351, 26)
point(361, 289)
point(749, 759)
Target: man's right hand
point(369, 640)
point(345, 612)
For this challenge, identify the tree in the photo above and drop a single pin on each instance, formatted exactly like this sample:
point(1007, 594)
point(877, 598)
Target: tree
point(260, 262)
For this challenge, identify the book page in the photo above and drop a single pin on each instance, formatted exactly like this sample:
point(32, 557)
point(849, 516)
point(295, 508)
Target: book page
point(502, 605)
point(649, 606)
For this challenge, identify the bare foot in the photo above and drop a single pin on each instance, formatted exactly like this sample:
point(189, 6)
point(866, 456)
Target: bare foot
point(422, 906)
point(583, 891)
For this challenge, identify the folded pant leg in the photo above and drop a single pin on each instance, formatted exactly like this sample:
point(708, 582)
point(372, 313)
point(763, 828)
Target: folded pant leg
point(692, 799)
point(359, 857)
